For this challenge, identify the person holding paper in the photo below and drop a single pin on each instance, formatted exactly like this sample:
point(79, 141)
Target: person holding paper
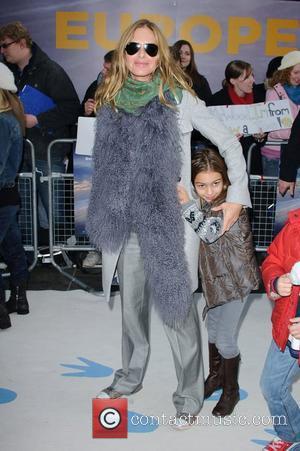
point(34, 69)
point(239, 89)
point(145, 114)
point(285, 84)
point(88, 103)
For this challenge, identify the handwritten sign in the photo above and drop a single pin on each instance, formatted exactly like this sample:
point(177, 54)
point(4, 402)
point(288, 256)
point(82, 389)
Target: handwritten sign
point(255, 118)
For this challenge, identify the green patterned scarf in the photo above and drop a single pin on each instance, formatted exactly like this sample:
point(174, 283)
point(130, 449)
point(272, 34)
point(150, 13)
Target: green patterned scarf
point(135, 94)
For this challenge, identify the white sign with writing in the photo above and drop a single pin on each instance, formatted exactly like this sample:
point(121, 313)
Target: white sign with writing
point(255, 118)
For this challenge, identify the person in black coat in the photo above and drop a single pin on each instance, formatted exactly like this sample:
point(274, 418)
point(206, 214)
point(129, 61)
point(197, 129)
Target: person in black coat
point(239, 89)
point(290, 160)
point(32, 67)
point(273, 65)
point(183, 53)
point(88, 103)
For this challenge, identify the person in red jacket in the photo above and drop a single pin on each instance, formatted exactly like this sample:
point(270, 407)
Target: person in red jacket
point(281, 276)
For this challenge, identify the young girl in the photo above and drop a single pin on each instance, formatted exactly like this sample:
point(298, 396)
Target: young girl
point(228, 270)
point(12, 127)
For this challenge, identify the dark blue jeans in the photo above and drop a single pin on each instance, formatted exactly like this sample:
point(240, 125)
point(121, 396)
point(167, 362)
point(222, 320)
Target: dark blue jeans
point(279, 373)
point(270, 166)
point(11, 247)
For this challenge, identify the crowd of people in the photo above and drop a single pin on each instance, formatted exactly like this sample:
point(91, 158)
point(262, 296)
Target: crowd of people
point(169, 201)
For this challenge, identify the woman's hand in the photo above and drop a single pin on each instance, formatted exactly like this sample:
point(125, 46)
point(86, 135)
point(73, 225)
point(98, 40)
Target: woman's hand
point(231, 212)
point(294, 328)
point(182, 194)
point(259, 137)
point(89, 106)
point(284, 187)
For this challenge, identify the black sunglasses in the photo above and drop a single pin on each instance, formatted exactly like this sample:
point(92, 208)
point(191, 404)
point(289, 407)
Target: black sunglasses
point(133, 47)
point(7, 44)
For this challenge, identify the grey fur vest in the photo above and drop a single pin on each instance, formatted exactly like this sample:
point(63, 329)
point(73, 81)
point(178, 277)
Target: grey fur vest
point(136, 169)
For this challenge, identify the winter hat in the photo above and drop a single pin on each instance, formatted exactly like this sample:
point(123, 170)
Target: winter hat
point(7, 78)
point(273, 66)
point(290, 60)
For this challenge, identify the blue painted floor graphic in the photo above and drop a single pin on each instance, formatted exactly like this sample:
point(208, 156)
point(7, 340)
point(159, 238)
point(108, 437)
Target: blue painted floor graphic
point(7, 395)
point(139, 423)
point(90, 369)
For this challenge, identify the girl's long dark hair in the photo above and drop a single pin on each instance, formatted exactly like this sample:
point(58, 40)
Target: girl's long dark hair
point(210, 160)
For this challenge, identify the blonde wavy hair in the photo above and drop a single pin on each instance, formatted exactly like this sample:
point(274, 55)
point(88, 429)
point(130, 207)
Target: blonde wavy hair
point(170, 72)
point(11, 102)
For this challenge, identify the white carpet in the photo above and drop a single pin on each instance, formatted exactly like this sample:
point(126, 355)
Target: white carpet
point(42, 408)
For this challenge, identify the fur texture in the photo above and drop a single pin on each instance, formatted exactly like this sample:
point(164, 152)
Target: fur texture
point(136, 169)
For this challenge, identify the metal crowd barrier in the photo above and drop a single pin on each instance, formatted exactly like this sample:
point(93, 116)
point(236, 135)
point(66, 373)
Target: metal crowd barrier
point(263, 191)
point(62, 236)
point(28, 210)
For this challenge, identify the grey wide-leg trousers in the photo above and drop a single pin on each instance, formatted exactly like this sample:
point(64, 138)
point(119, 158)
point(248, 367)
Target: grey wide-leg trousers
point(185, 342)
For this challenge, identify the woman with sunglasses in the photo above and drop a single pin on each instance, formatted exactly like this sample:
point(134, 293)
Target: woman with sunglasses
point(145, 114)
